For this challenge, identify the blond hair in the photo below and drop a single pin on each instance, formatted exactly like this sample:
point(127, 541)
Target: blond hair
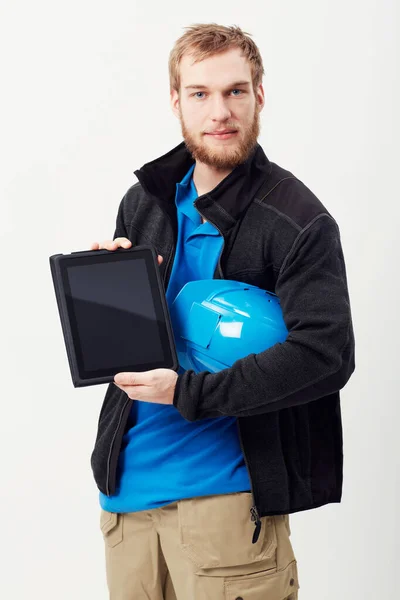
point(207, 39)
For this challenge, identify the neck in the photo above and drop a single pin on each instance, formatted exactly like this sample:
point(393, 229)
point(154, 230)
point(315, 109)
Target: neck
point(206, 178)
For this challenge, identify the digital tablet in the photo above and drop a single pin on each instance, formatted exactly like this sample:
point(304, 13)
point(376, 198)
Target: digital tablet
point(113, 312)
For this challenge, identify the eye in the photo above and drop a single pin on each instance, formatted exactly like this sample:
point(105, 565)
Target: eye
point(195, 94)
point(240, 91)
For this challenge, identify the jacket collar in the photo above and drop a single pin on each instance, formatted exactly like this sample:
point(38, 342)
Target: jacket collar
point(233, 194)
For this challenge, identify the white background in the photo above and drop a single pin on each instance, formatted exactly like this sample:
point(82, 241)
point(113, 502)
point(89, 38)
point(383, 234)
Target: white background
point(84, 102)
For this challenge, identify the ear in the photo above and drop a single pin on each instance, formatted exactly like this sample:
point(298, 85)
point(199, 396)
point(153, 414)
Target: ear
point(174, 99)
point(260, 97)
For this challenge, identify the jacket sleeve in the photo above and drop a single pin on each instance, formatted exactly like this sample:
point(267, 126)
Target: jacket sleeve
point(315, 360)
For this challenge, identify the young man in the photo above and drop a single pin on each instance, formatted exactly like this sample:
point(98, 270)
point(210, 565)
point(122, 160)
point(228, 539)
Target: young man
point(198, 472)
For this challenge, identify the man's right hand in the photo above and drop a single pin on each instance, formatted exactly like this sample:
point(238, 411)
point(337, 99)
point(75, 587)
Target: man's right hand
point(120, 242)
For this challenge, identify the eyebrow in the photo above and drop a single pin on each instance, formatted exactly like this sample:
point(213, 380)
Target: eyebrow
point(204, 87)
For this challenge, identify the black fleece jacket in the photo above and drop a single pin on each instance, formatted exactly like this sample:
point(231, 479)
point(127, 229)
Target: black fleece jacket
point(280, 237)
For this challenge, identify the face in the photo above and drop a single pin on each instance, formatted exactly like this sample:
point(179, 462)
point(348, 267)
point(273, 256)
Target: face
point(217, 95)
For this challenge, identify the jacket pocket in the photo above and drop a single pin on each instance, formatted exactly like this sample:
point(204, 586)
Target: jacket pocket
point(216, 533)
point(111, 525)
point(282, 585)
point(109, 424)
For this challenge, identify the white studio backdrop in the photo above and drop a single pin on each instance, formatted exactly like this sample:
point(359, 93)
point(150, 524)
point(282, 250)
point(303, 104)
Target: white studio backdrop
point(84, 102)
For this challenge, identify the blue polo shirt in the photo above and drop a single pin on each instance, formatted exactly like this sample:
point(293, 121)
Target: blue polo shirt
point(163, 457)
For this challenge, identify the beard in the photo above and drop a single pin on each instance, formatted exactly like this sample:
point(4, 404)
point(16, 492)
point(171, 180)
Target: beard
point(226, 156)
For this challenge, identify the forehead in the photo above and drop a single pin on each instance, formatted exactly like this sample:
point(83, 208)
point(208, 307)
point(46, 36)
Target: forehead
point(215, 71)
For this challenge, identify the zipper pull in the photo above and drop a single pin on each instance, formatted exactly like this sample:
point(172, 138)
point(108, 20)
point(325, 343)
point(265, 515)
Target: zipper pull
point(257, 523)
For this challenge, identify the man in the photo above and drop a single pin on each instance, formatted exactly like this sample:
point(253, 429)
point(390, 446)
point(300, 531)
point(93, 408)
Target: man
point(198, 472)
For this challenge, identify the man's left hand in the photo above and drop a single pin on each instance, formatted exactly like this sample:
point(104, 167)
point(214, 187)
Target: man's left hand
point(157, 385)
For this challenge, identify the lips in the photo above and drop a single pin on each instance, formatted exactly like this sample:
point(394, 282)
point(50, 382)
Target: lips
point(222, 132)
point(227, 134)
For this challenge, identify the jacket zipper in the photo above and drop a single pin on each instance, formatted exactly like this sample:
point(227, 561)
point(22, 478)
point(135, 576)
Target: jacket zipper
point(223, 245)
point(170, 262)
point(253, 510)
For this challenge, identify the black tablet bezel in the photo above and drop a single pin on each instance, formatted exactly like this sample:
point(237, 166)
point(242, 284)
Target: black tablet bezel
point(61, 262)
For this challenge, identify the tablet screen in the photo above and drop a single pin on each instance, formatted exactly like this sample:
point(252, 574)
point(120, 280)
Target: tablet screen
point(115, 313)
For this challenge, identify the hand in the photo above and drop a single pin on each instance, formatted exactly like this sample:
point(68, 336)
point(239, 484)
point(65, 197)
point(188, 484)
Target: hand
point(157, 385)
point(120, 242)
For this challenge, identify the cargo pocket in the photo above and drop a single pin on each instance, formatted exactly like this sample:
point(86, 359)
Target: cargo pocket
point(111, 525)
point(216, 534)
point(282, 585)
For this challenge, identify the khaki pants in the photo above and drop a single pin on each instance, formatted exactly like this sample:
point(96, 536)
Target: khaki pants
point(199, 549)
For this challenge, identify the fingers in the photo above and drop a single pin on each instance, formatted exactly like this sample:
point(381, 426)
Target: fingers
point(120, 242)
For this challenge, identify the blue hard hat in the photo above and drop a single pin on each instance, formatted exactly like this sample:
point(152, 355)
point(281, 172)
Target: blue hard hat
point(217, 321)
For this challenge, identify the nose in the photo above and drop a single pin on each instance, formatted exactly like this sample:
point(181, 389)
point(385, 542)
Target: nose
point(219, 109)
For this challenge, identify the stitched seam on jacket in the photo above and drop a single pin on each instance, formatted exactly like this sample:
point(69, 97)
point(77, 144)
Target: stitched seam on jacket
point(292, 250)
point(149, 241)
point(279, 213)
point(272, 189)
point(252, 271)
point(299, 235)
point(261, 202)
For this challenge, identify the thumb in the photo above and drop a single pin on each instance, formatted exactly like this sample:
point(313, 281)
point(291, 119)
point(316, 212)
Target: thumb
point(131, 378)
